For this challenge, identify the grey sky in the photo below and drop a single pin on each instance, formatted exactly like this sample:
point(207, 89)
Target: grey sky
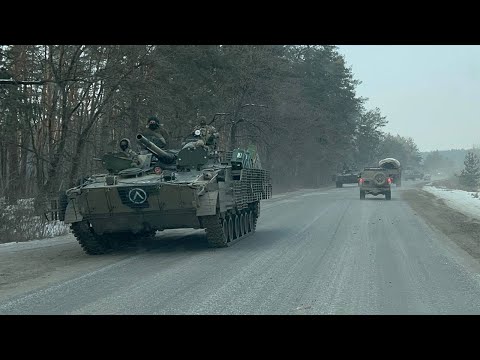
point(428, 92)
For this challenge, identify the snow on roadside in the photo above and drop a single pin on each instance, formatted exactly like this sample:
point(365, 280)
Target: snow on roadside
point(460, 200)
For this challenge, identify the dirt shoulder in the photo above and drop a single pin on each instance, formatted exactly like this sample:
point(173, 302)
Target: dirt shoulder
point(28, 267)
point(461, 229)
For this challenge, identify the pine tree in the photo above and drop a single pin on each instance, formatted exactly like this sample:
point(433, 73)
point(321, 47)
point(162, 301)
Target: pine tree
point(470, 176)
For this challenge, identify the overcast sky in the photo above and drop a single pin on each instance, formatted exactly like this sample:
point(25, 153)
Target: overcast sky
point(428, 92)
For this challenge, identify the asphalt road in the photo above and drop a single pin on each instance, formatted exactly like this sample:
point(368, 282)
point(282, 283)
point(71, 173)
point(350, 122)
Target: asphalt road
point(314, 252)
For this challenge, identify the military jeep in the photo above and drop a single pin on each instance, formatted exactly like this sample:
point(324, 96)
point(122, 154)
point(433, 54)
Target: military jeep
point(375, 181)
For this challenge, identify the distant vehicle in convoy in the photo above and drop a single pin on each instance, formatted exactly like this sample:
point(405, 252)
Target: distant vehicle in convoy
point(346, 177)
point(393, 169)
point(375, 181)
point(408, 174)
point(412, 174)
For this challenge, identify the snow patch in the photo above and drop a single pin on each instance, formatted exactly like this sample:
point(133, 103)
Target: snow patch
point(20, 223)
point(466, 202)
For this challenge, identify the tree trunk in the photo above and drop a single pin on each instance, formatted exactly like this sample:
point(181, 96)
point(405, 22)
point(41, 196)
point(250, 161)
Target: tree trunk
point(3, 170)
point(13, 180)
point(24, 180)
point(134, 120)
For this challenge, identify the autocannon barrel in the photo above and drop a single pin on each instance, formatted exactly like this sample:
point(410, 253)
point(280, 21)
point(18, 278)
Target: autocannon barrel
point(154, 149)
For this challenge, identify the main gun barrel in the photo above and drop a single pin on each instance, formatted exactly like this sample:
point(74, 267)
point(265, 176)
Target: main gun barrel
point(154, 149)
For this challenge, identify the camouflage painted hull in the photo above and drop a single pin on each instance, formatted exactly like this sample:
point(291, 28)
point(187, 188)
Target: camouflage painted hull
point(145, 204)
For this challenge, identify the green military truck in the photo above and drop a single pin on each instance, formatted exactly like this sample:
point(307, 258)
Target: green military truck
point(393, 169)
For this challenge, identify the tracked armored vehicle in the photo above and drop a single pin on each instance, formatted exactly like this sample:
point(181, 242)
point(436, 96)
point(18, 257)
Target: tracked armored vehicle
point(346, 177)
point(168, 189)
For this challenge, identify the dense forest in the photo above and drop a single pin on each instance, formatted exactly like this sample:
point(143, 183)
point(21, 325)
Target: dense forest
point(61, 106)
point(450, 161)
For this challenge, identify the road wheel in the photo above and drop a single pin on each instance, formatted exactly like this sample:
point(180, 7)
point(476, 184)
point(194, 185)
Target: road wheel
point(241, 228)
point(251, 226)
point(245, 223)
point(236, 226)
point(225, 229)
point(362, 194)
point(231, 230)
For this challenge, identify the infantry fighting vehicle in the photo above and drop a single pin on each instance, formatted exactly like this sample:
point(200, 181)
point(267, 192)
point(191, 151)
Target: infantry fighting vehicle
point(169, 189)
point(413, 174)
point(346, 177)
